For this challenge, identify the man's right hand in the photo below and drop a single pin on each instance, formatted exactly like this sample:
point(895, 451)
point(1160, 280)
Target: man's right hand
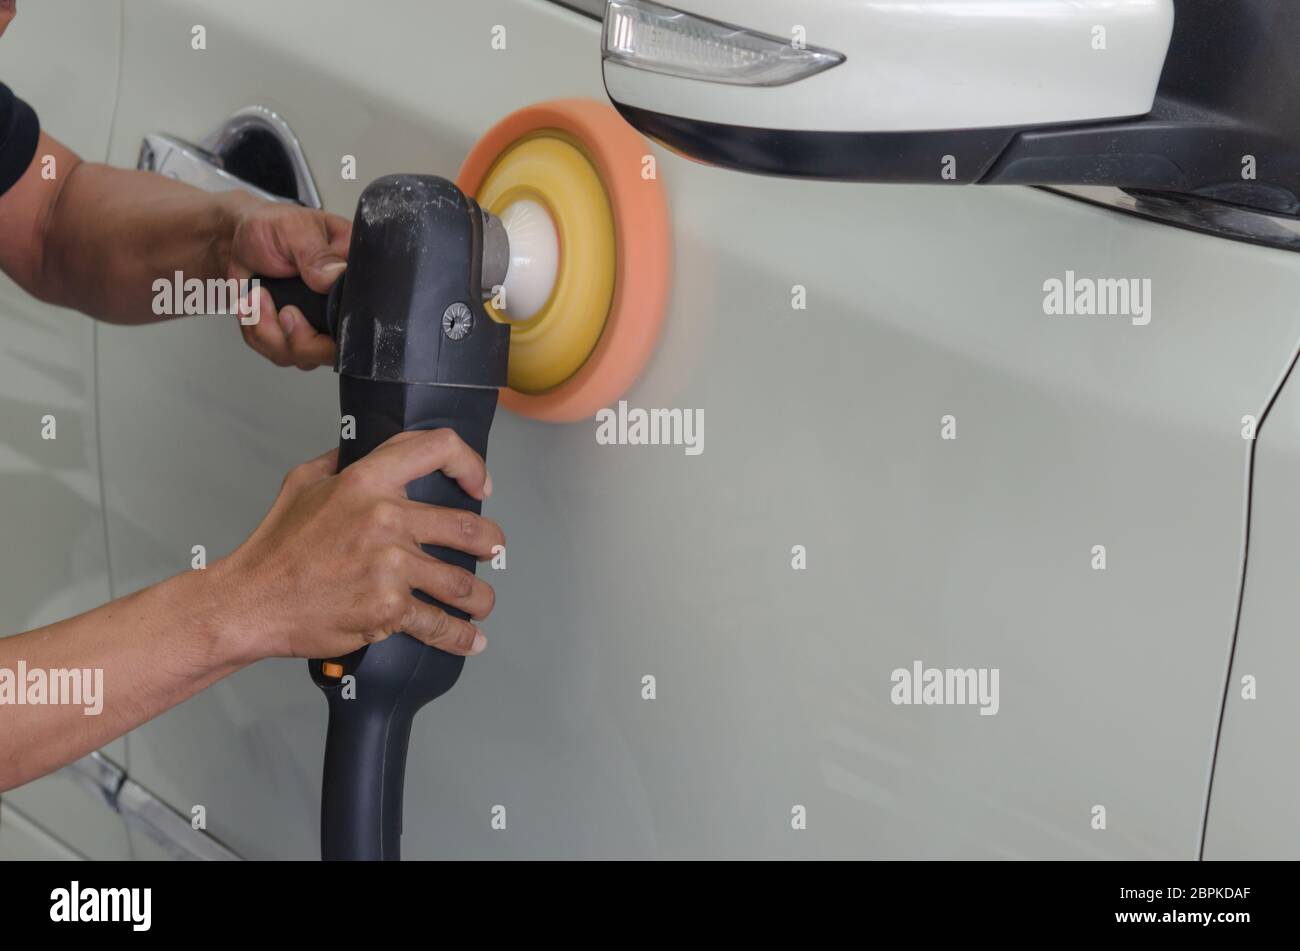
point(333, 565)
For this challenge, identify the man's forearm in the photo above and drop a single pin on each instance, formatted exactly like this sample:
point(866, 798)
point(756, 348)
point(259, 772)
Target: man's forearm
point(111, 233)
point(155, 648)
point(98, 239)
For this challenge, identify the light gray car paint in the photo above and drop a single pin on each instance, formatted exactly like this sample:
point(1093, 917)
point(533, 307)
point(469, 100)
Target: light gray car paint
point(823, 430)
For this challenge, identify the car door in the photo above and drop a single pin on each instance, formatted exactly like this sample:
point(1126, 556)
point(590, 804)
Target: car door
point(1252, 804)
point(63, 59)
point(919, 468)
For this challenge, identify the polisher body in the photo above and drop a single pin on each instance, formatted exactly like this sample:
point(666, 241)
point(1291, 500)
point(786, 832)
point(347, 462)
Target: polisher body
point(415, 351)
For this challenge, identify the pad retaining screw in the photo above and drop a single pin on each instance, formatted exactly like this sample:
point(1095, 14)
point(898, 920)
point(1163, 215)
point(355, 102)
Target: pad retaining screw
point(457, 321)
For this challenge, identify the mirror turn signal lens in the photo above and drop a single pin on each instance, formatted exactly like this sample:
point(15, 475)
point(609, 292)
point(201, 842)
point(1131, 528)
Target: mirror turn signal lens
point(659, 39)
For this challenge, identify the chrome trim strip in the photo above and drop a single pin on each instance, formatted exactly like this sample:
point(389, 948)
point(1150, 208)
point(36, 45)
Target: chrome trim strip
point(591, 8)
point(144, 811)
point(98, 775)
point(170, 830)
point(1195, 214)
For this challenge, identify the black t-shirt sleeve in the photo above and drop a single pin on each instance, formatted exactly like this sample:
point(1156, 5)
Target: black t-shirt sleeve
point(19, 131)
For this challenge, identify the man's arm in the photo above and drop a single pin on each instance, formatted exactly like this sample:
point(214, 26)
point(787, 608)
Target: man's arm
point(95, 238)
point(145, 653)
point(332, 567)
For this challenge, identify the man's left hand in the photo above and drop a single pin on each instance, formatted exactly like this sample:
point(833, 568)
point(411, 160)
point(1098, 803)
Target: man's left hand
point(273, 240)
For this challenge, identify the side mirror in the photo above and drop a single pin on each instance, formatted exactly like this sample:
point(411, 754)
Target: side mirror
point(1026, 92)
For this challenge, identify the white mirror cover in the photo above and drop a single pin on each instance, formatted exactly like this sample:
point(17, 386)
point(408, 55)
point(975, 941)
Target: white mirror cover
point(928, 65)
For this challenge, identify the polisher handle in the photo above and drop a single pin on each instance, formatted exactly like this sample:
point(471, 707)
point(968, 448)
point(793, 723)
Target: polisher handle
point(317, 308)
point(368, 733)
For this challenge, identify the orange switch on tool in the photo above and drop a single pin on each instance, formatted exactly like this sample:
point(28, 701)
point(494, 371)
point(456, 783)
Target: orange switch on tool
point(332, 670)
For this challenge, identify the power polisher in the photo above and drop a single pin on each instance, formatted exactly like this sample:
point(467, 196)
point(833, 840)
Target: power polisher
point(562, 272)
point(416, 350)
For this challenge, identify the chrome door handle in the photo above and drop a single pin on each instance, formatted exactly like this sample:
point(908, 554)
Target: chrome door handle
point(193, 165)
point(204, 165)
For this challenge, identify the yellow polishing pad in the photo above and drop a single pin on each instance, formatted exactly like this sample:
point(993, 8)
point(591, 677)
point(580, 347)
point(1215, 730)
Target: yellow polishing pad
point(551, 169)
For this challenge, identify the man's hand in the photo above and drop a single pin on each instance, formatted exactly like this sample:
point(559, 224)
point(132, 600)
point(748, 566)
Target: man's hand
point(331, 568)
point(96, 239)
point(334, 564)
point(273, 240)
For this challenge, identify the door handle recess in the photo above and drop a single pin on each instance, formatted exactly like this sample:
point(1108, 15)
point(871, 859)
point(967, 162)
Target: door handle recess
point(254, 151)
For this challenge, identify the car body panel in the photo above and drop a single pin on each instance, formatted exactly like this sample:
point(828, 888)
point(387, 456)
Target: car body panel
point(823, 430)
point(63, 59)
point(23, 840)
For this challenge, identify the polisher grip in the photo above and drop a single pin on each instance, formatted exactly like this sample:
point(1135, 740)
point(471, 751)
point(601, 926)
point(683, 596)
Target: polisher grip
point(315, 307)
point(367, 737)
